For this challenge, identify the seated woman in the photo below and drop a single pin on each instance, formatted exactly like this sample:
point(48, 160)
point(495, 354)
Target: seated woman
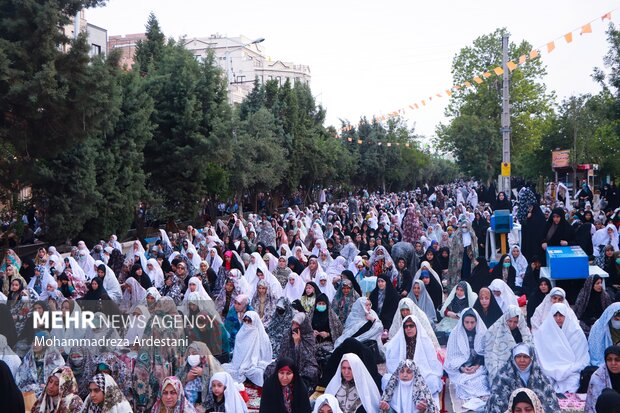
point(352, 385)
point(300, 346)
point(412, 343)
point(280, 324)
point(253, 353)
point(407, 307)
point(344, 299)
point(325, 284)
point(460, 298)
point(431, 280)
point(172, 398)
point(60, 394)
point(264, 301)
point(591, 302)
point(556, 295)
point(606, 376)
point(519, 263)
point(536, 298)
point(223, 396)
point(406, 391)
point(525, 400)
point(522, 370)
point(196, 372)
point(284, 390)
point(505, 271)
point(604, 333)
point(326, 326)
point(503, 294)
point(326, 403)
point(384, 299)
point(464, 361)
point(363, 324)
point(501, 338)
point(308, 298)
point(12, 397)
point(487, 307)
point(38, 364)
point(105, 396)
point(294, 287)
point(423, 300)
point(562, 349)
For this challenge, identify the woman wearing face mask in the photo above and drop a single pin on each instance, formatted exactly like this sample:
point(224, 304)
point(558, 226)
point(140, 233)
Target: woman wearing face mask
point(522, 370)
point(505, 271)
point(604, 333)
point(196, 373)
point(431, 281)
point(326, 326)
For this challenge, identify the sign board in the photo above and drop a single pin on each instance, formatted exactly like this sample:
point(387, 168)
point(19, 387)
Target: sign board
point(560, 159)
point(505, 169)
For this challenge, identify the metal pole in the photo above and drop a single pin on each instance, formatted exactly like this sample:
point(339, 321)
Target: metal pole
point(506, 116)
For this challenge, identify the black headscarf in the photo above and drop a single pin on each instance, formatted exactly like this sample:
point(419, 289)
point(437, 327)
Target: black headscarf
point(533, 233)
point(165, 264)
point(562, 232)
point(297, 267)
point(480, 275)
point(16, 295)
point(98, 294)
point(317, 290)
point(7, 325)
point(390, 303)
point(320, 320)
point(502, 203)
point(10, 394)
point(64, 289)
point(537, 297)
point(272, 399)
point(434, 262)
point(613, 378)
point(144, 279)
point(441, 261)
point(350, 345)
point(493, 314)
point(521, 397)
point(608, 402)
point(27, 269)
point(498, 272)
point(348, 274)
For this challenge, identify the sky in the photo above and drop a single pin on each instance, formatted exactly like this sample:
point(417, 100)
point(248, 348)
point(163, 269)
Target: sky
point(371, 58)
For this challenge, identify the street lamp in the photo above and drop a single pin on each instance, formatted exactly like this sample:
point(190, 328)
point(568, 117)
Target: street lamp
point(229, 71)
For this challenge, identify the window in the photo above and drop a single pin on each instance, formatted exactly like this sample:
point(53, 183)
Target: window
point(95, 50)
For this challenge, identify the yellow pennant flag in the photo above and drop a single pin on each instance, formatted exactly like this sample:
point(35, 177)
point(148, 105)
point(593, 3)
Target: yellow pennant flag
point(477, 80)
point(568, 37)
point(511, 66)
point(606, 16)
point(522, 59)
point(486, 75)
point(499, 71)
point(586, 28)
point(423, 102)
point(550, 47)
point(533, 54)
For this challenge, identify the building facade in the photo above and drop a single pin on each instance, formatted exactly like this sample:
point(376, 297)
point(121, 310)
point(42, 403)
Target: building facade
point(126, 43)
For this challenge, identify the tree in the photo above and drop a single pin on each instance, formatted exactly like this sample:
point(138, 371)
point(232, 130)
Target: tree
point(473, 133)
point(150, 52)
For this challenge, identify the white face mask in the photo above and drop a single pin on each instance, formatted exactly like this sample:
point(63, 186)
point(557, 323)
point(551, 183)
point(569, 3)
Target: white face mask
point(615, 324)
point(193, 360)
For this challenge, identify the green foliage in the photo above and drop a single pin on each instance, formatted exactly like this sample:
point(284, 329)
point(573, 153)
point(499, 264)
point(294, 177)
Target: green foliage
point(473, 134)
point(150, 51)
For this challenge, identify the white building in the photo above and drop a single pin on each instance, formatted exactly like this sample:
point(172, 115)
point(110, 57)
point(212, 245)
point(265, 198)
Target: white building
point(244, 60)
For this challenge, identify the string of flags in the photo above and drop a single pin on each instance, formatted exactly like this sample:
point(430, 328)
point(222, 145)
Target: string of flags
point(478, 79)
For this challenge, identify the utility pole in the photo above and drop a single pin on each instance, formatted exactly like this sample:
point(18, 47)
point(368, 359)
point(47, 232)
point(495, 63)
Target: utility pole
point(505, 129)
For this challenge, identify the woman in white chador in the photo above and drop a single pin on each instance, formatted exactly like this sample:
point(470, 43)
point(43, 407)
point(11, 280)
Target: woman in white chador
point(562, 349)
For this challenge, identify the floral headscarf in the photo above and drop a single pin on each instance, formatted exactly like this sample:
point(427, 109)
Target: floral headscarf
point(68, 400)
point(182, 405)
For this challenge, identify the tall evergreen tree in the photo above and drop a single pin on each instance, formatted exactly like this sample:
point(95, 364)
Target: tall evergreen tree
point(150, 52)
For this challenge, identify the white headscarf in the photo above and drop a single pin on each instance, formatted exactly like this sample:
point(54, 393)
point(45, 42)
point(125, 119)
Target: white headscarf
point(397, 321)
point(425, 355)
point(273, 261)
point(458, 350)
point(337, 267)
point(540, 314)
point(131, 254)
point(328, 289)
point(137, 324)
point(252, 277)
point(87, 264)
point(156, 274)
point(200, 290)
point(111, 284)
point(520, 264)
point(294, 292)
point(136, 297)
point(507, 297)
point(164, 238)
point(232, 399)
point(425, 265)
point(562, 352)
point(356, 320)
point(76, 270)
point(365, 385)
point(287, 251)
point(327, 400)
point(471, 296)
point(195, 257)
point(215, 262)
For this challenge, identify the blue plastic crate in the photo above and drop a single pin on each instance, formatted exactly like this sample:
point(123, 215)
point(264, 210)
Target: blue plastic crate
point(567, 263)
point(501, 221)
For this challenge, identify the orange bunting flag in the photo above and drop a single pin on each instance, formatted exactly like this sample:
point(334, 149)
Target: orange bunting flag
point(568, 37)
point(606, 16)
point(423, 102)
point(498, 71)
point(511, 66)
point(533, 54)
point(477, 80)
point(438, 95)
point(416, 106)
point(586, 28)
point(411, 107)
point(550, 47)
point(486, 75)
point(448, 93)
point(359, 141)
point(522, 59)
point(456, 87)
point(467, 84)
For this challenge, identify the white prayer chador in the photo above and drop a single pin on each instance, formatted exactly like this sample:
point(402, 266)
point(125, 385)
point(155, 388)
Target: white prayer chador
point(425, 265)
point(365, 385)
point(137, 323)
point(232, 399)
point(419, 315)
point(458, 352)
point(337, 267)
point(540, 314)
point(195, 285)
point(294, 291)
point(520, 264)
point(272, 260)
point(156, 274)
point(46, 278)
point(191, 250)
point(506, 297)
point(327, 400)
point(163, 235)
point(252, 277)
point(87, 263)
point(63, 334)
point(132, 298)
point(424, 356)
point(327, 289)
point(243, 282)
point(424, 301)
point(214, 260)
point(137, 250)
point(76, 270)
point(600, 335)
point(111, 284)
point(253, 352)
point(562, 352)
point(8, 356)
point(356, 320)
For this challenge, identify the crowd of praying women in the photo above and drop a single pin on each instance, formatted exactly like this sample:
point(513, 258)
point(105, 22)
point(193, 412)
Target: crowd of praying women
point(375, 303)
